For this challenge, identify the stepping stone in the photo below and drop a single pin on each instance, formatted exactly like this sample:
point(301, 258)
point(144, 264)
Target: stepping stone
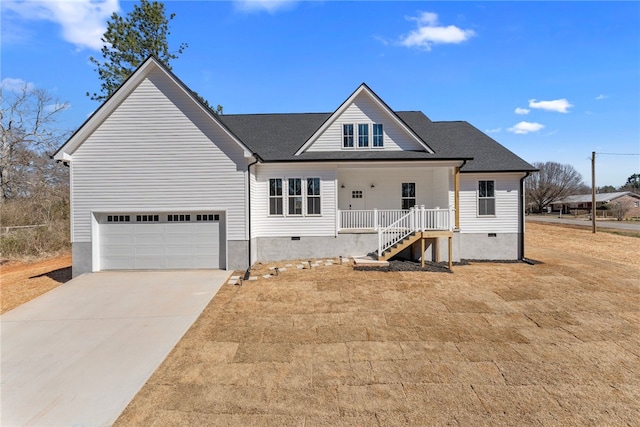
point(328, 263)
point(267, 276)
point(283, 269)
point(300, 267)
point(288, 265)
point(233, 282)
point(234, 277)
point(272, 268)
point(253, 278)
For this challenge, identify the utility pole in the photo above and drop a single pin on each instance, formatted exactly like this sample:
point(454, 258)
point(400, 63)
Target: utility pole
point(593, 191)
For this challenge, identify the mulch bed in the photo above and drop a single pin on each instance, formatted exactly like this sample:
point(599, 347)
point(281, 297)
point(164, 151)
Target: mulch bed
point(405, 265)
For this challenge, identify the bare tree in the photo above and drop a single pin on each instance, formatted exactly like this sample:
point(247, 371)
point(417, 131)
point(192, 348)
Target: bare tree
point(620, 209)
point(27, 119)
point(553, 182)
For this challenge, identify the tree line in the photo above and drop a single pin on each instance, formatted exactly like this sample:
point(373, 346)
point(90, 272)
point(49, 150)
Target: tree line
point(556, 181)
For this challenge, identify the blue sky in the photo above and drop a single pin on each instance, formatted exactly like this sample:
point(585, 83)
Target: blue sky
point(549, 80)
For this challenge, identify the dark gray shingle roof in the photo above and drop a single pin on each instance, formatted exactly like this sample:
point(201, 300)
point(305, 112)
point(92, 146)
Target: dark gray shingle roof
point(276, 138)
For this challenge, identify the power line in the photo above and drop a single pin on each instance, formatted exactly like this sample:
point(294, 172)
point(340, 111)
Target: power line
point(619, 154)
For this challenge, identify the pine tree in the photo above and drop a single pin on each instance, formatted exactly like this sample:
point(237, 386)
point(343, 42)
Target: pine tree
point(131, 39)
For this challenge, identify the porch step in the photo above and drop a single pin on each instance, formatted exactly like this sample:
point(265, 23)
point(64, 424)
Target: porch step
point(396, 248)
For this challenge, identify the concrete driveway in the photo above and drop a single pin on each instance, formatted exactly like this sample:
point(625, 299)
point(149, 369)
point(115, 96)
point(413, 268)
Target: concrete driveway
point(77, 355)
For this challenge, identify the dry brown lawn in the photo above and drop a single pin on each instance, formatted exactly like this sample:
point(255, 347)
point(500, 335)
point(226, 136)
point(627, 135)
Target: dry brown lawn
point(492, 344)
point(23, 281)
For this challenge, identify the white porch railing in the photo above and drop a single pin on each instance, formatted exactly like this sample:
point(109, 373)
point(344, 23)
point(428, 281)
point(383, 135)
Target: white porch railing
point(369, 219)
point(427, 219)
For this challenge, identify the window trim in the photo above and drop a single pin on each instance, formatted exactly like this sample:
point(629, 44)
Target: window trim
point(356, 137)
point(403, 198)
point(478, 198)
point(294, 196)
point(305, 196)
point(281, 197)
point(345, 145)
point(313, 196)
point(366, 145)
point(373, 135)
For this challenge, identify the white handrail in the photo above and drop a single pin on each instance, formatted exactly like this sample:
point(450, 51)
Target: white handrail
point(417, 219)
point(389, 236)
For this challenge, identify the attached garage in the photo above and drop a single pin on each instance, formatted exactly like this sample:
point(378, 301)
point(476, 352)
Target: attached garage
point(161, 241)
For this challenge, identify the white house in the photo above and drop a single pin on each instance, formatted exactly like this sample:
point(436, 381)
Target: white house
point(158, 181)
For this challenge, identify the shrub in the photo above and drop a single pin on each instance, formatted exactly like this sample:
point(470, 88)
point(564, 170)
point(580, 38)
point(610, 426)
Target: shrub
point(34, 242)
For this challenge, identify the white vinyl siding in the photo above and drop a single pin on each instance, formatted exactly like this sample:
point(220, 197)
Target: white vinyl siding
point(364, 110)
point(506, 194)
point(264, 225)
point(432, 188)
point(158, 151)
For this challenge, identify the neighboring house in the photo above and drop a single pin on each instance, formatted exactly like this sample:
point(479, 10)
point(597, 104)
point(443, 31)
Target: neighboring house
point(158, 181)
point(583, 202)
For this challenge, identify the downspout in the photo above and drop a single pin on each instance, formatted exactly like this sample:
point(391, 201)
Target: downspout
point(521, 215)
point(248, 272)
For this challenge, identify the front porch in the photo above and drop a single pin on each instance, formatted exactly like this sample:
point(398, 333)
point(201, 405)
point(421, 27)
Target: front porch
point(399, 229)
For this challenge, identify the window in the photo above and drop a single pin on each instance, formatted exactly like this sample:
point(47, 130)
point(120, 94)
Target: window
point(486, 198)
point(378, 139)
point(313, 196)
point(207, 217)
point(147, 218)
point(179, 218)
point(118, 218)
point(275, 196)
point(408, 195)
point(363, 135)
point(356, 194)
point(347, 136)
point(295, 196)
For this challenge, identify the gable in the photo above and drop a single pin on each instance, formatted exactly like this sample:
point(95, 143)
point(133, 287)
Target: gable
point(363, 113)
point(171, 83)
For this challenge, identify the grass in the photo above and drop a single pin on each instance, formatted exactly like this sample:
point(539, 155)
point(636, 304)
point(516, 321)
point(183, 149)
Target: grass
point(492, 344)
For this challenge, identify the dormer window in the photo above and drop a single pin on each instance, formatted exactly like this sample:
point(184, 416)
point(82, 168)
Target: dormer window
point(366, 132)
point(347, 136)
point(378, 135)
point(363, 135)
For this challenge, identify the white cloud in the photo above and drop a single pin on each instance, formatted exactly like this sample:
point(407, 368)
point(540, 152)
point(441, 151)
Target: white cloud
point(558, 105)
point(601, 96)
point(496, 130)
point(270, 6)
point(15, 85)
point(429, 32)
point(83, 22)
point(521, 111)
point(525, 127)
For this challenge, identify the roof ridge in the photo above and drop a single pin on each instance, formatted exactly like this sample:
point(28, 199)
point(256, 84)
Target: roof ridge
point(272, 114)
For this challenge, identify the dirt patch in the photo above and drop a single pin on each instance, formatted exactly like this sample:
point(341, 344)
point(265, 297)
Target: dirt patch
point(21, 282)
point(491, 344)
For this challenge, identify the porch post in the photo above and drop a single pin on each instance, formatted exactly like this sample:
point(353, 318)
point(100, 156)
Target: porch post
point(375, 219)
point(339, 220)
point(456, 195)
point(423, 220)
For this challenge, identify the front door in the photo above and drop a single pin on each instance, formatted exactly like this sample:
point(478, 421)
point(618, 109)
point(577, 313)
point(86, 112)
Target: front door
point(356, 199)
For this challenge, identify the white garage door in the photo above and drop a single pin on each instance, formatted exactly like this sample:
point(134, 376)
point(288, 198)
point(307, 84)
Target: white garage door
point(161, 241)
